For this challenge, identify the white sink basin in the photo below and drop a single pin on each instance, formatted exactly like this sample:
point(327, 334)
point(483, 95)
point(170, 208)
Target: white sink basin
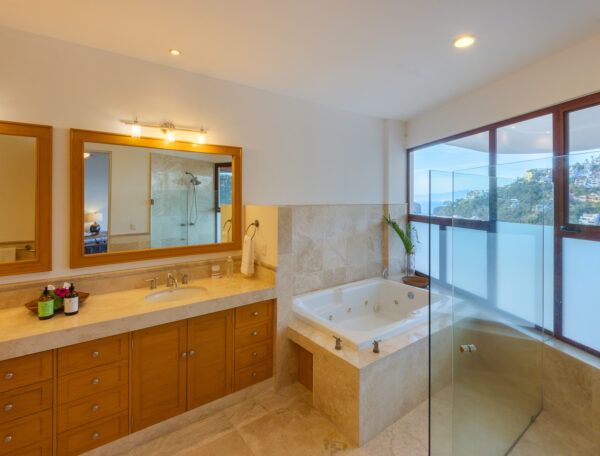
point(175, 294)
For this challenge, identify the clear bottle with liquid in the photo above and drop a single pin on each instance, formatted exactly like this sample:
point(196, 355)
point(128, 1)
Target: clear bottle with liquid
point(229, 268)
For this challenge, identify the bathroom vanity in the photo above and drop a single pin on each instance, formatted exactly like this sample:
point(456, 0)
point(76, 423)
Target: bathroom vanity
point(68, 385)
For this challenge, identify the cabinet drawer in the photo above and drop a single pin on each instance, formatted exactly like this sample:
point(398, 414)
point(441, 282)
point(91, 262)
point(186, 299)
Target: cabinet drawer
point(92, 408)
point(87, 383)
point(260, 311)
point(253, 374)
point(247, 356)
point(17, 434)
point(92, 354)
point(37, 449)
point(25, 401)
point(252, 334)
point(25, 370)
point(91, 436)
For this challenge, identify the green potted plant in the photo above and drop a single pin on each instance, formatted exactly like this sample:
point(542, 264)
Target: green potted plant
point(407, 240)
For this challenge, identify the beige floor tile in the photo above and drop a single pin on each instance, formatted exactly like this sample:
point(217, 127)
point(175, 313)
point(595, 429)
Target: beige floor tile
point(294, 430)
point(230, 444)
point(199, 432)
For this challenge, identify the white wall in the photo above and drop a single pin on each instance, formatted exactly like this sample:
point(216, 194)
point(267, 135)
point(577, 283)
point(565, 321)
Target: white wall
point(569, 74)
point(394, 161)
point(294, 151)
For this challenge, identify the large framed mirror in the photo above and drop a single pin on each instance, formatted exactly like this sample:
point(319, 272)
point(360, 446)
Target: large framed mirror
point(25, 198)
point(141, 198)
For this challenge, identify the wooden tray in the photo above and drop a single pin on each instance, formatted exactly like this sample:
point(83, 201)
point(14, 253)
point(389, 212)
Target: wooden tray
point(416, 281)
point(33, 305)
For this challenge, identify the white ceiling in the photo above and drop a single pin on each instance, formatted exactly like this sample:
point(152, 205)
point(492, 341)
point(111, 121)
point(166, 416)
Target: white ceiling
point(385, 58)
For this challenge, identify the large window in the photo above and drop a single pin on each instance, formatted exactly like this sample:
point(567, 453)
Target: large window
point(551, 201)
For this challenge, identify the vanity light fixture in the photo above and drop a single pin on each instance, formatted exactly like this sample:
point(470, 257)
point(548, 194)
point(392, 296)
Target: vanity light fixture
point(464, 41)
point(86, 155)
point(168, 128)
point(175, 52)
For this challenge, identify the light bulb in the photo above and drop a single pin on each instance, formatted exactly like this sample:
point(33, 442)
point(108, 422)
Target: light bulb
point(86, 154)
point(464, 41)
point(201, 138)
point(136, 130)
point(170, 136)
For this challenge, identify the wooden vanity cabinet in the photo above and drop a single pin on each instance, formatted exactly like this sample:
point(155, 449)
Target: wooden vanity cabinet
point(159, 366)
point(210, 358)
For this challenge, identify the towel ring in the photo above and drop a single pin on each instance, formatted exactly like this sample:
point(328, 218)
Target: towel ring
point(228, 221)
point(255, 225)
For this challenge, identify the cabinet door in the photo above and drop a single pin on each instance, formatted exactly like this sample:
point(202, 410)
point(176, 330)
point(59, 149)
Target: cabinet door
point(158, 373)
point(210, 361)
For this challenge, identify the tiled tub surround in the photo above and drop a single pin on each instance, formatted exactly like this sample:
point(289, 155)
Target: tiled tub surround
point(363, 392)
point(103, 315)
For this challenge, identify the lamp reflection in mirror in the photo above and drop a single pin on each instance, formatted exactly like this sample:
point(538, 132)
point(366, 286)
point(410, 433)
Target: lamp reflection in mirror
point(91, 222)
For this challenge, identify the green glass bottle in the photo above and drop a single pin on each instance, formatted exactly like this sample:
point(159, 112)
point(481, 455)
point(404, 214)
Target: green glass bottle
point(45, 305)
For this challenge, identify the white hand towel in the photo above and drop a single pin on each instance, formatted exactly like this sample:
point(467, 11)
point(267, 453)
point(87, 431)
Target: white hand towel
point(8, 254)
point(248, 256)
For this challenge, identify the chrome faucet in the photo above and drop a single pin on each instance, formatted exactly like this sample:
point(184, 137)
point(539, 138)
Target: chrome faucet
point(152, 282)
point(172, 281)
point(184, 279)
point(385, 274)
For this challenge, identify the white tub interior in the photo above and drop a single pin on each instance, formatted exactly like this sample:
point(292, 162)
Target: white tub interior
point(364, 311)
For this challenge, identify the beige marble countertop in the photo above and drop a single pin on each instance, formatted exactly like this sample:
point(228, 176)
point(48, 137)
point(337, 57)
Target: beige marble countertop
point(103, 315)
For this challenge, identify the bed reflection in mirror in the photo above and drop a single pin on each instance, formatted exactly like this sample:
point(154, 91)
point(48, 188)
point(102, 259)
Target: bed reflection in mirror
point(139, 198)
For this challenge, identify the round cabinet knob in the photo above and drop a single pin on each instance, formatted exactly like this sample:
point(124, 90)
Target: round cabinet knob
point(192, 352)
point(254, 354)
point(8, 407)
point(95, 435)
point(8, 438)
point(255, 333)
point(95, 408)
point(184, 354)
point(8, 376)
point(95, 381)
point(95, 354)
point(254, 374)
point(255, 314)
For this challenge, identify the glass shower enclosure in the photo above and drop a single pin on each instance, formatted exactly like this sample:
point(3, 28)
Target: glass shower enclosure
point(490, 253)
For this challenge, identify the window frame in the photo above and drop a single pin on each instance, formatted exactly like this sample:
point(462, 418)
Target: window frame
point(562, 227)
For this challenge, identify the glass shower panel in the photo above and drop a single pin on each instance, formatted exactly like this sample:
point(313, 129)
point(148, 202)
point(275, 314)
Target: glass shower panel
point(501, 265)
point(169, 218)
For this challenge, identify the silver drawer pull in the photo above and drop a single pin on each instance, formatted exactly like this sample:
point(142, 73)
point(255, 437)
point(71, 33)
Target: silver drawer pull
point(192, 352)
point(8, 407)
point(8, 376)
point(255, 333)
point(95, 354)
point(95, 381)
point(184, 354)
point(8, 438)
point(95, 435)
point(254, 354)
point(255, 314)
point(254, 374)
point(95, 408)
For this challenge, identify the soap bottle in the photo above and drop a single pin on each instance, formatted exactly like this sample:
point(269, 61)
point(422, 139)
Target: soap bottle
point(45, 305)
point(71, 303)
point(229, 267)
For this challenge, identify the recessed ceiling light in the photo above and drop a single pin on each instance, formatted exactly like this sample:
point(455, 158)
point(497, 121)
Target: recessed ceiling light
point(464, 41)
point(174, 52)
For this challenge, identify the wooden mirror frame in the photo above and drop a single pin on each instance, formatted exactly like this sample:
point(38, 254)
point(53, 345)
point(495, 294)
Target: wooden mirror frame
point(43, 199)
point(79, 259)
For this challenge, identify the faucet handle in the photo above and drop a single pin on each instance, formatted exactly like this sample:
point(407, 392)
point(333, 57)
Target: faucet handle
point(184, 279)
point(152, 282)
point(376, 346)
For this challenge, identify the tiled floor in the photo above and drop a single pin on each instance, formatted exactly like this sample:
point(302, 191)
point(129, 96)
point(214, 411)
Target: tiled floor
point(284, 423)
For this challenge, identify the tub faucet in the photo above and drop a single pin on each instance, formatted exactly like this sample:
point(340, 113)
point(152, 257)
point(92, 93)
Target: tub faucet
point(384, 274)
point(376, 346)
point(172, 281)
point(338, 342)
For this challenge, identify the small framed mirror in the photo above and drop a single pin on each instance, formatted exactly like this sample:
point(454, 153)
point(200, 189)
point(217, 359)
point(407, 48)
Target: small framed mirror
point(25, 198)
point(141, 198)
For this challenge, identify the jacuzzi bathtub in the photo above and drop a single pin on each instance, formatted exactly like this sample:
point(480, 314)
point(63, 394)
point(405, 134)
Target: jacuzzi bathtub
point(364, 311)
